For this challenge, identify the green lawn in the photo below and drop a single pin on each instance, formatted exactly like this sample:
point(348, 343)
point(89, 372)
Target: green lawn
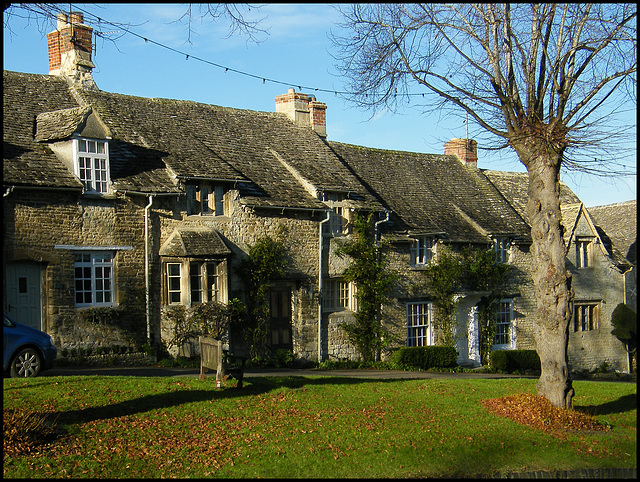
point(325, 427)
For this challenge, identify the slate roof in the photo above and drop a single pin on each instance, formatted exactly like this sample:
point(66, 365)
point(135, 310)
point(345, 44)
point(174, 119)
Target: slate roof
point(514, 186)
point(194, 242)
point(433, 194)
point(157, 142)
point(617, 225)
point(26, 162)
point(59, 124)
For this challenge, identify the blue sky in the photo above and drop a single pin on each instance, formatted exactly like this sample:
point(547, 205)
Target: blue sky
point(297, 53)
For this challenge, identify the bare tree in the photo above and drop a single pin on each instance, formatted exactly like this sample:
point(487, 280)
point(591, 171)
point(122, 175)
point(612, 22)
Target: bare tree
point(236, 14)
point(544, 80)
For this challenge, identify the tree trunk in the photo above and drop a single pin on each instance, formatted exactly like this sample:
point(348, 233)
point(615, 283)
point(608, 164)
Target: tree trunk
point(552, 281)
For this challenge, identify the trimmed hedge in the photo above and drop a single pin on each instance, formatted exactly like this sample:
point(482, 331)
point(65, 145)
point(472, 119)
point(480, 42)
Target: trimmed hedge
point(515, 360)
point(425, 357)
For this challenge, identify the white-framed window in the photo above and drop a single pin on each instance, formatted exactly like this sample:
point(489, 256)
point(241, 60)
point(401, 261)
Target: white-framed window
point(503, 337)
point(338, 295)
point(337, 222)
point(586, 316)
point(93, 279)
point(584, 252)
point(205, 199)
point(193, 282)
point(419, 324)
point(422, 249)
point(501, 248)
point(92, 164)
point(174, 283)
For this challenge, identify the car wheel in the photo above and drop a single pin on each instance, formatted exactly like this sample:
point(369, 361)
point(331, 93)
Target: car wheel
point(26, 363)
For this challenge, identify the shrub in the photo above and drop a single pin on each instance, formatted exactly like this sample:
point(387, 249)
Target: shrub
point(425, 357)
point(284, 358)
point(625, 324)
point(515, 360)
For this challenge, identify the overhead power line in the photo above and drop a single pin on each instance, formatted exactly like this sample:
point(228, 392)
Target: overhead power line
point(187, 56)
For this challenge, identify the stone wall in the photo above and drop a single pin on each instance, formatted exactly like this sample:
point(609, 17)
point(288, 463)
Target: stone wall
point(35, 225)
point(41, 228)
point(244, 227)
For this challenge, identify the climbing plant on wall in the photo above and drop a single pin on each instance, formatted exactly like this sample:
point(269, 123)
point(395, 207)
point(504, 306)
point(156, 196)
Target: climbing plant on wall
point(266, 262)
point(373, 280)
point(468, 270)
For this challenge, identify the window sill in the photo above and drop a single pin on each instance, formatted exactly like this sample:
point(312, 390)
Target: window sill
point(97, 195)
point(208, 217)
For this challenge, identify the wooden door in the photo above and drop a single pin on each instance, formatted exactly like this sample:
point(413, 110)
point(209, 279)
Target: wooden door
point(280, 318)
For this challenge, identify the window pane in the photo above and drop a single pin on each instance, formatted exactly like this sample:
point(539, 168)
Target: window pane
point(205, 192)
point(174, 284)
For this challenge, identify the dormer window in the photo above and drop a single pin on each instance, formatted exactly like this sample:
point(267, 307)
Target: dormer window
point(205, 199)
point(92, 164)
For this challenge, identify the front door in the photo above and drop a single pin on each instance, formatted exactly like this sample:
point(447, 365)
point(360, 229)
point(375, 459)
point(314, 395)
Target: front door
point(24, 293)
point(280, 318)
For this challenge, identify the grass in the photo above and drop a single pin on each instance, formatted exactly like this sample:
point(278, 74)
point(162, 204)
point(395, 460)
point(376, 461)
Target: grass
point(321, 427)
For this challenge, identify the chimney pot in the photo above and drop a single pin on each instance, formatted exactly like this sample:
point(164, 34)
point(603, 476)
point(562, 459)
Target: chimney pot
point(76, 17)
point(62, 20)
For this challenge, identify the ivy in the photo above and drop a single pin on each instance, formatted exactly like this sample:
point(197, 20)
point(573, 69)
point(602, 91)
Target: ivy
point(443, 280)
point(471, 270)
point(373, 280)
point(266, 262)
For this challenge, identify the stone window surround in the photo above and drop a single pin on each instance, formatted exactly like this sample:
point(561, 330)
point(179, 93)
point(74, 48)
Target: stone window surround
point(586, 316)
point(213, 203)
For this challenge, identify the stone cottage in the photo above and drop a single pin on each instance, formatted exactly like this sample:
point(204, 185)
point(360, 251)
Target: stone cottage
point(603, 272)
point(143, 204)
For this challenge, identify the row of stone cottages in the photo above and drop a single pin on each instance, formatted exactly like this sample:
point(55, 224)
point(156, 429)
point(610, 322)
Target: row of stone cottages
point(139, 203)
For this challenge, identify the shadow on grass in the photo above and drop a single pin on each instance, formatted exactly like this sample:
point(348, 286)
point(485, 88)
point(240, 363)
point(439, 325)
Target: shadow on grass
point(625, 403)
point(149, 403)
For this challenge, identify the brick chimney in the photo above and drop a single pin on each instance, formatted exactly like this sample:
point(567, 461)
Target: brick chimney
point(465, 149)
point(70, 50)
point(303, 110)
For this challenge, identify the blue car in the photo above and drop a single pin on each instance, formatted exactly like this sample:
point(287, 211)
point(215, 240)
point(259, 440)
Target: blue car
point(26, 351)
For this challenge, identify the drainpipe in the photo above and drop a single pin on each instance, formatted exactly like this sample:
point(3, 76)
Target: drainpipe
point(320, 243)
point(377, 244)
point(146, 266)
point(378, 223)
